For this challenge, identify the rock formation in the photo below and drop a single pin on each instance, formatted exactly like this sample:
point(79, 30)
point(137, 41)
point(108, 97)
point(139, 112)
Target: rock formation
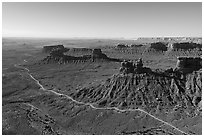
point(120, 45)
point(186, 45)
point(97, 54)
point(188, 64)
point(184, 65)
point(57, 56)
point(80, 49)
point(127, 67)
point(48, 49)
point(138, 65)
point(136, 45)
point(57, 52)
point(159, 46)
point(133, 67)
point(151, 91)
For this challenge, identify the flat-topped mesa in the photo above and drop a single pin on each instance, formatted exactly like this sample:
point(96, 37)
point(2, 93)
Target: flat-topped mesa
point(57, 52)
point(130, 67)
point(97, 54)
point(80, 50)
point(48, 49)
point(159, 46)
point(121, 45)
point(188, 64)
point(186, 45)
point(57, 56)
point(136, 45)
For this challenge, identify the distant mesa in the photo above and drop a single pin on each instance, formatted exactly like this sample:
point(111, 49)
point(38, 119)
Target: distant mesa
point(188, 64)
point(185, 45)
point(48, 49)
point(159, 46)
point(184, 65)
point(121, 45)
point(57, 52)
point(136, 45)
point(97, 53)
point(57, 55)
point(80, 50)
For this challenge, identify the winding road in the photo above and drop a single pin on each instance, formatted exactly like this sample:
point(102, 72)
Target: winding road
point(92, 104)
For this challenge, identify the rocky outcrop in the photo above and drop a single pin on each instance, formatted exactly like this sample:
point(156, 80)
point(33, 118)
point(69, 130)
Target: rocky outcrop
point(194, 87)
point(186, 45)
point(57, 52)
point(48, 49)
point(138, 87)
point(127, 67)
point(80, 50)
point(121, 45)
point(188, 64)
point(133, 67)
point(159, 46)
point(151, 91)
point(136, 45)
point(97, 54)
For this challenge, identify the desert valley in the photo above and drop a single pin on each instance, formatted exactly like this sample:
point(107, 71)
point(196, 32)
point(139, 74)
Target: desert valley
point(145, 86)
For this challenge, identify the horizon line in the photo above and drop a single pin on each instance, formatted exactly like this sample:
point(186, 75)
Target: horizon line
point(129, 38)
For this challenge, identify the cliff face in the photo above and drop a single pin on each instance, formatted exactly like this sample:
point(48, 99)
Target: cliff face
point(193, 87)
point(97, 54)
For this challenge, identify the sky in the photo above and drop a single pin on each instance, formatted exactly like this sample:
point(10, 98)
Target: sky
point(101, 20)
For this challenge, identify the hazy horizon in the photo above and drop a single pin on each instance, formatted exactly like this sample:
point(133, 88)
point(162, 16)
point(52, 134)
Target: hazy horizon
point(101, 20)
point(94, 37)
